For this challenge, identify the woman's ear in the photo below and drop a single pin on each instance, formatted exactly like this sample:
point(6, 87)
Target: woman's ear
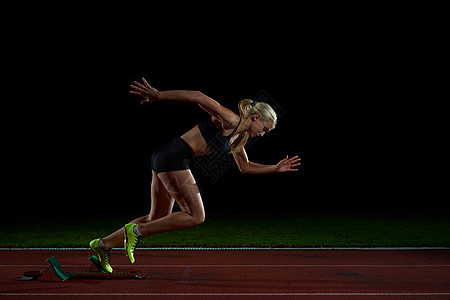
point(256, 117)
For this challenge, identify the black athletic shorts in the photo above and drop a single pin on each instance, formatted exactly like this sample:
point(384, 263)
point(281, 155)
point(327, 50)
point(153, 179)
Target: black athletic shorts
point(174, 156)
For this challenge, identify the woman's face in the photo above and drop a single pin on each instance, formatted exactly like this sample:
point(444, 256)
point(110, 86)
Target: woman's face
point(258, 127)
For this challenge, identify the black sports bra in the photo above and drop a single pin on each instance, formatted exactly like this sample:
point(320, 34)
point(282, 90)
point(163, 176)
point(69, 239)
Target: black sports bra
point(214, 139)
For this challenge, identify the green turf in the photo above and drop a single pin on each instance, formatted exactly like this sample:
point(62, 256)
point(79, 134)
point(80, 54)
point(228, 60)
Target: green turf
point(267, 230)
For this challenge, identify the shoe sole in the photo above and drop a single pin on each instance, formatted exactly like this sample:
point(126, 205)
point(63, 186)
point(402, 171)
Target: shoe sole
point(125, 242)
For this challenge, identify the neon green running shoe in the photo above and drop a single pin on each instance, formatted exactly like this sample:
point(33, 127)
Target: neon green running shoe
point(104, 256)
point(131, 241)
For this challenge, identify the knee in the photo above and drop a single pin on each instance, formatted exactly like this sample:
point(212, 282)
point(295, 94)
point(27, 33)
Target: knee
point(196, 219)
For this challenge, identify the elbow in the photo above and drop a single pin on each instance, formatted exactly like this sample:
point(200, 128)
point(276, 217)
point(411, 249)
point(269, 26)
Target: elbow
point(197, 95)
point(244, 170)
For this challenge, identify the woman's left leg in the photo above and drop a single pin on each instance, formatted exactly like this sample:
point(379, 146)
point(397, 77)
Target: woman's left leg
point(182, 187)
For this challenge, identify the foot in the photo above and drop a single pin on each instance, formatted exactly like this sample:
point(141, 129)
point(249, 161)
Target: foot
point(131, 241)
point(104, 256)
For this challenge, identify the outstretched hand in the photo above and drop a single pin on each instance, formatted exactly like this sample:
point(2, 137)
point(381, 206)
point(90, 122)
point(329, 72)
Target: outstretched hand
point(288, 164)
point(145, 90)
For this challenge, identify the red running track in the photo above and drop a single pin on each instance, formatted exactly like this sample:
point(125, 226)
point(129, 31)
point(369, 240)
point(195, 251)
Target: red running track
point(285, 274)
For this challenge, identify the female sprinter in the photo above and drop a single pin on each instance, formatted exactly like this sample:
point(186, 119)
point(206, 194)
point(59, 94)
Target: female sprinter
point(172, 179)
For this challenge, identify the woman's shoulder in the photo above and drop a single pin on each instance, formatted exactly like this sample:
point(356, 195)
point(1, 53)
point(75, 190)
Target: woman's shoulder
point(231, 123)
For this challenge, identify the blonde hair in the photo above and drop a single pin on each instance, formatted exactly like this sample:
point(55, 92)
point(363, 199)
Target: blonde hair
point(247, 109)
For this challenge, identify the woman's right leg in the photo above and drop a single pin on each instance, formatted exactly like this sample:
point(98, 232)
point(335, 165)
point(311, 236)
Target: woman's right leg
point(161, 205)
point(182, 187)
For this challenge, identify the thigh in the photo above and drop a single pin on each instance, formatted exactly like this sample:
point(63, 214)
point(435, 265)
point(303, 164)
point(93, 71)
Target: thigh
point(182, 187)
point(162, 201)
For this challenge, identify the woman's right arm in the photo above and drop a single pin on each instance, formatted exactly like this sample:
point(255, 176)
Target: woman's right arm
point(180, 95)
point(225, 116)
point(151, 94)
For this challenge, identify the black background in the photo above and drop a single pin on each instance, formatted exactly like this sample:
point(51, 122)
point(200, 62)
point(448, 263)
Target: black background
point(357, 96)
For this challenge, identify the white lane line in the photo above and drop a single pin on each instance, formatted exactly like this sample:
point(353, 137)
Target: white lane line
point(237, 249)
point(226, 294)
point(244, 266)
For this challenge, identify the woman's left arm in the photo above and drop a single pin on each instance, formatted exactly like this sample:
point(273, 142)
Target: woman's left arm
point(248, 167)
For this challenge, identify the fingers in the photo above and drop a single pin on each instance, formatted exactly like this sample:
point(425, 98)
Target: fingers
point(144, 101)
point(145, 82)
point(142, 86)
point(143, 90)
point(294, 162)
point(137, 88)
